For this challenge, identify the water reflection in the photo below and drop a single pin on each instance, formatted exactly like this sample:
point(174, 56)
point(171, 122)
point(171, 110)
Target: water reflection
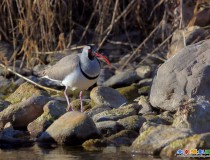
point(37, 152)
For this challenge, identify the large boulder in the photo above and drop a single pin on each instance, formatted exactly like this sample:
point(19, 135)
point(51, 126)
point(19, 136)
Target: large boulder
point(154, 139)
point(182, 77)
point(72, 128)
point(188, 143)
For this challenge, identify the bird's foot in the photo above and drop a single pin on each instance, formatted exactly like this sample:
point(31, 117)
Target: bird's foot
point(81, 101)
point(69, 109)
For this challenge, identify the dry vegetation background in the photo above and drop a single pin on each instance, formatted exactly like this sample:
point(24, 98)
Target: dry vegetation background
point(141, 27)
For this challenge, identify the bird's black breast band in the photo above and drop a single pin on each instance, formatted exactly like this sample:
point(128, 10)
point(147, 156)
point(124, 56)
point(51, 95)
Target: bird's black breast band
point(84, 74)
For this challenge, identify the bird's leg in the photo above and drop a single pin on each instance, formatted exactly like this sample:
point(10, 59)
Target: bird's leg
point(67, 99)
point(80, 97)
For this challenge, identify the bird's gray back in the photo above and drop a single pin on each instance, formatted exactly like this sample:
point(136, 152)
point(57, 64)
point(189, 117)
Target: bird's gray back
point(63, 67)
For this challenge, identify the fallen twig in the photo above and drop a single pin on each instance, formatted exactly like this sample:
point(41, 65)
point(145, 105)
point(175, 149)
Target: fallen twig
point(61, 52)
point(28, 80)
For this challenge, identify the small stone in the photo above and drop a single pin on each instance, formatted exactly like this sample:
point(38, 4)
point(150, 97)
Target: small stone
point(123, 138)
point(143, 71)
point(72, 128)
point(146, 106)
point(157, 119)
point(107, 96)
point(122, 79)
point(114, 114)
point(96, 144)
point(145, 82)
point(132, 122)
point(105, 74)
point(76, 105)
point(108, 128)
point(97, 109)
point(144, 90)
point(5, 84)
point(129, 92)
point(4, 105)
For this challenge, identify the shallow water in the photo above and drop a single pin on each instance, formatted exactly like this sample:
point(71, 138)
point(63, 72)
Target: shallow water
point(36, 152)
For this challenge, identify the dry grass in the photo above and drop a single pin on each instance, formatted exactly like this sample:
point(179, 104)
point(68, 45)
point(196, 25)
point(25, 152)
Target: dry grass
point(34, 26)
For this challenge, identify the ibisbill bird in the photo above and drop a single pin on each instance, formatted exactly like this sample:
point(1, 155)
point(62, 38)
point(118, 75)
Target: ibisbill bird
point(79, 71)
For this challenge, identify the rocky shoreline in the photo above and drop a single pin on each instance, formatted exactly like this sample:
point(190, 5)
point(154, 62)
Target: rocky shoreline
point(149, 117)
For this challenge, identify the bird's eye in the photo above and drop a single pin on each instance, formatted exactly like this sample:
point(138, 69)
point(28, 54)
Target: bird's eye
point(90, 54)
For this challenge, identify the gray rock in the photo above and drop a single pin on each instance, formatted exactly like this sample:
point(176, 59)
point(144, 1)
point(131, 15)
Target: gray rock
point(123, 138)
point(154, 139)
point(115, 114)
point(132, 122)
point(72, 128)
point(122, 79)
point(21, 114)
point(147, 125)
point(145, 82)
point(4, 84)
point(182, 77)
point(52, 110)
point(96, 144)
point(124, 59)
point(108, 128)
point(97, 109)
point(105, 74)
point(194, 116)
point(107, 96)
point(3, 105)
point(13, 138)
point(158, 119)
point(144, 71)
point(25, 91)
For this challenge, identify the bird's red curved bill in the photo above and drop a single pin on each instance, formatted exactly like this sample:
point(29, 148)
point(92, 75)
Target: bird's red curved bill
point(103, 57)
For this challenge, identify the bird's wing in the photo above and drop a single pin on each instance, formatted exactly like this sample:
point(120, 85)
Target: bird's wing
point(62, 68)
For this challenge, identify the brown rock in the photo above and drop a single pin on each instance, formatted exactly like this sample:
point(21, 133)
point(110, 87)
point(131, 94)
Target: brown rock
point(21, 114)
point(108, 96)
point(152, 140)
point(52, 110)
point(23, 92)
point(73, 128)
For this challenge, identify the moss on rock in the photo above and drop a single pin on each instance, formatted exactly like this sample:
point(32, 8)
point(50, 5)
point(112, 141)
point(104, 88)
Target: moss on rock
point(24, 91)
point(129, 92)
point(76, 105)
point(144, 90)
